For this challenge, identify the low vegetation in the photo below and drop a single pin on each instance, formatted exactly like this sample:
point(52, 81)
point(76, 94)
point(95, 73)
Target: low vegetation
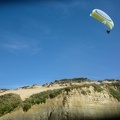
point(39, 98)
point(97, 88)
point(116, 85)
point(66, 80)
point(114, 93)
point(9, 102)
point(114, 88)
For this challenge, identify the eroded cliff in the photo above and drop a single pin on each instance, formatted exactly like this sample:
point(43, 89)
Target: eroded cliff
point(91, 101)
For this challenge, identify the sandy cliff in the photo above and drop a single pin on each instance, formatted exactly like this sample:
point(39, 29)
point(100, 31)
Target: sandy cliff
point(79, 103)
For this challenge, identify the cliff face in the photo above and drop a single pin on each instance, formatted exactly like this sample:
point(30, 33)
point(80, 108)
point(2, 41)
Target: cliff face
point(77, 104)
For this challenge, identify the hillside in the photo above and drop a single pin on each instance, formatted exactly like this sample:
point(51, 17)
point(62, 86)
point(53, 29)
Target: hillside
point(66, 99)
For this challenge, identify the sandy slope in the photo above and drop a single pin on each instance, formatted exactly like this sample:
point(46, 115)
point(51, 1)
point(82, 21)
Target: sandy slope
point(25, 93)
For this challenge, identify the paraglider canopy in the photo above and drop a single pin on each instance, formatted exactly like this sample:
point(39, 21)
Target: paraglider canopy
point(103, 18)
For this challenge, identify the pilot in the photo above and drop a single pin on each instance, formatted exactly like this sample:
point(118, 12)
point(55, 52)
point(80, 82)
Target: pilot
point(108, 31)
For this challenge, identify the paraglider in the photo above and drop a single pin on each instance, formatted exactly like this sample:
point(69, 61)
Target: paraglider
point(103, 18)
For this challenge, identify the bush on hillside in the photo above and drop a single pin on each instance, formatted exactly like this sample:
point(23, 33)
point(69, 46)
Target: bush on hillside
point(39, 98)
point(116, 85)
point(114, 93)
point(9, 102)
point(97, 88)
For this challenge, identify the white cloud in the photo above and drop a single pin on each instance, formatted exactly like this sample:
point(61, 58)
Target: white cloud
point(21, 46)
point(16, 46)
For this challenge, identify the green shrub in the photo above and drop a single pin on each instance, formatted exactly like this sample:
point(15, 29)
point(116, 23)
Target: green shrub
point(55, 93)
point(114, 93)
point(40, 98)
point(67, 80)
point(9, 102)
point(97, 87)
point(26, 107)
point(116, 85)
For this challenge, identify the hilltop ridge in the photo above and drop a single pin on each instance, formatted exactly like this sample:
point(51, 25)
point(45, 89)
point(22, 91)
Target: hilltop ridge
point(27, 91)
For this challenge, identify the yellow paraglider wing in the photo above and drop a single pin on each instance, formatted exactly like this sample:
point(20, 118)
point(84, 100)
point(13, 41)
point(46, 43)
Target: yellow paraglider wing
point(102, 17)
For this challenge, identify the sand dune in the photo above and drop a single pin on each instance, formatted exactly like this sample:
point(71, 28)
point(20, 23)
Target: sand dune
point(25, 93)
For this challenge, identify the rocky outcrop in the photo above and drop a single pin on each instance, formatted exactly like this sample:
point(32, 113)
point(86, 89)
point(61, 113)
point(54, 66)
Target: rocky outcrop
point(78, 103)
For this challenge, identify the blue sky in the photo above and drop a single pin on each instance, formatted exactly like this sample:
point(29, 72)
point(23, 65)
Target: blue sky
point(42, 41)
